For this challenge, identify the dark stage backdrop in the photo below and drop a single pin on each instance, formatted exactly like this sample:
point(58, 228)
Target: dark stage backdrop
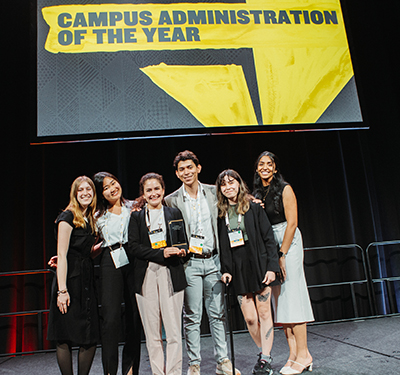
point(347, 182)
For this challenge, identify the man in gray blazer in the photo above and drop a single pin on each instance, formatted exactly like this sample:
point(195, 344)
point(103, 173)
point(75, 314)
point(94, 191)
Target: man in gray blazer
point(198, 204)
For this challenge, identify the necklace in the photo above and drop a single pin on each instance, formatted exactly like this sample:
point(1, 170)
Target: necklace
point(266, 193)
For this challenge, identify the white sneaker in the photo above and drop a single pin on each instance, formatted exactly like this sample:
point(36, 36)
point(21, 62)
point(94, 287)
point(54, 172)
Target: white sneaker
point(194, 370)
point(225, 368)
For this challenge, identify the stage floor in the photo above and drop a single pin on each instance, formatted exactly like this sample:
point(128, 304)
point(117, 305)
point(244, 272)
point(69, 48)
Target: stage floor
point(370, 346)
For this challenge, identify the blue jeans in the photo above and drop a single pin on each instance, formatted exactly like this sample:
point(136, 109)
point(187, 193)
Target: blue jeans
point(204, 279)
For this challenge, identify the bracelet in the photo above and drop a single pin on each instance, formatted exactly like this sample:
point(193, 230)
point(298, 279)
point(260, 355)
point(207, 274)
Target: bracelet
point(282, 254)
point(62, 291)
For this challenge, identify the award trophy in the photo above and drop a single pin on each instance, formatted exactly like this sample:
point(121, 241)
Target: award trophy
point(177, 234)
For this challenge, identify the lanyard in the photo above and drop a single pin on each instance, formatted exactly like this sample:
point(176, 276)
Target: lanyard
point(160, 219)
point(236, 235)
point(227, 221)
point(156, 236)
point(195, 211)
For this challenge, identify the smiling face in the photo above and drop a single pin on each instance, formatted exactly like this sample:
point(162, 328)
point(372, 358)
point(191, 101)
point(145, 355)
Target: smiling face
point(153, 193)
point(188, 172)
point(112, 190)
point(84, 195)
point(230, 189)
point(266, 169)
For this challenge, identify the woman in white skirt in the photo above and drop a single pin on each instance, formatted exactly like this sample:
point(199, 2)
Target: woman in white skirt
point(290, 299)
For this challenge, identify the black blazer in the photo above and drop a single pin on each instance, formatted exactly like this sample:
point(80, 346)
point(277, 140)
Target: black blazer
point(263, 249)
point(139, 246)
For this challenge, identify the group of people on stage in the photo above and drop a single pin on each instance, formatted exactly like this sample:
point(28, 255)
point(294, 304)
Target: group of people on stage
point(247, 239)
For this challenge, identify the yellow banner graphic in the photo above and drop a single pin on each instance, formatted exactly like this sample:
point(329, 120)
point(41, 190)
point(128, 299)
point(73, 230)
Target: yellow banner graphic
point(116, 27)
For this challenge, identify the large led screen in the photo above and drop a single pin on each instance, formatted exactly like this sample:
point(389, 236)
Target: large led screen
point(178, 67)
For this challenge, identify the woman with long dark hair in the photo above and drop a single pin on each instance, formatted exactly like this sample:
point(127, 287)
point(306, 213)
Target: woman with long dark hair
point(249, 260)
point(116, 278)
point(291, 300)
point(159, 276)
point(73, 318)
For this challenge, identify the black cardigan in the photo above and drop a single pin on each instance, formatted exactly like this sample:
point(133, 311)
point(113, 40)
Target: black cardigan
point(263, 249)
point(140, 247)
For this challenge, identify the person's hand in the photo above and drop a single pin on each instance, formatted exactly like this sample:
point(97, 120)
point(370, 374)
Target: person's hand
point(182, 253)
point(282, 265)
point(137, 205)
point(53, 262)
point(170, 251)
point(96, 250)
point(269, 277)
point(256, 200)
point(63, 301)
point(226, 278)
point(97, 246)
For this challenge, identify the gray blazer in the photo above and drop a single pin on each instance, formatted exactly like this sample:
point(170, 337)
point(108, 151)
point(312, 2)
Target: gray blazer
point(177, 200)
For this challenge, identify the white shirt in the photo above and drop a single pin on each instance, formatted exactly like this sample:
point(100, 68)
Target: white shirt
point(113, 227)
point(199, 217)
point(157, 220)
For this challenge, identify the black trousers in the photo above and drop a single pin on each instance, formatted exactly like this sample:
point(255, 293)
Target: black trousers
point(116, 286)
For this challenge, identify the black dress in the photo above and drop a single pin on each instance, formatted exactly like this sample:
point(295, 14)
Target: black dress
point(80, 325)
point(249, 263)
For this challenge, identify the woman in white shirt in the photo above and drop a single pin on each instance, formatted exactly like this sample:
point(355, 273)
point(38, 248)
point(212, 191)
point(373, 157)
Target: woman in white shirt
point(116, 278)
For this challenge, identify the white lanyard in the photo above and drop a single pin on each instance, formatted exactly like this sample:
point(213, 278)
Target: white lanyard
point(195, 211)
point(227, 221)
point(157, 237)
point(118, 255)
point(160, 219)
point(196, 242)
point(235, 235)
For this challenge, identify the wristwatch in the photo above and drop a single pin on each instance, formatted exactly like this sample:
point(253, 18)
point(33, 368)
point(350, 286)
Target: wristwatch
point(281, 254)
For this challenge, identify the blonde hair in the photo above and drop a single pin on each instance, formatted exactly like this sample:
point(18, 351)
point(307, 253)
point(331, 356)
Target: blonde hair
point(75, 207)
point(243, 203)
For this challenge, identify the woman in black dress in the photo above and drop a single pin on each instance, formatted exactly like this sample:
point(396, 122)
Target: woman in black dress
point(249, 260)
point(73, 318)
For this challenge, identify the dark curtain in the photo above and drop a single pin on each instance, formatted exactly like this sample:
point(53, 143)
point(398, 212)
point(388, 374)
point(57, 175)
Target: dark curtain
point(347, 182)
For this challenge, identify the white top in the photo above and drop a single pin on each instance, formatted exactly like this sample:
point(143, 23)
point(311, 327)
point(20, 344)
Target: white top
point(113, 227)
point(157, 220)
point(199, 216)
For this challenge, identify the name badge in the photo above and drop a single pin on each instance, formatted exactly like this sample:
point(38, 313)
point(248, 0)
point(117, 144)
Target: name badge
point(157, 239)
point(119, 257)
point(236, 237)
point(196, 244)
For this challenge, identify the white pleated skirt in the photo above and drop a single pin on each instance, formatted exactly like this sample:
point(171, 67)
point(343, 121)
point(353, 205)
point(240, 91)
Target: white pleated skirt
point(291, 302)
